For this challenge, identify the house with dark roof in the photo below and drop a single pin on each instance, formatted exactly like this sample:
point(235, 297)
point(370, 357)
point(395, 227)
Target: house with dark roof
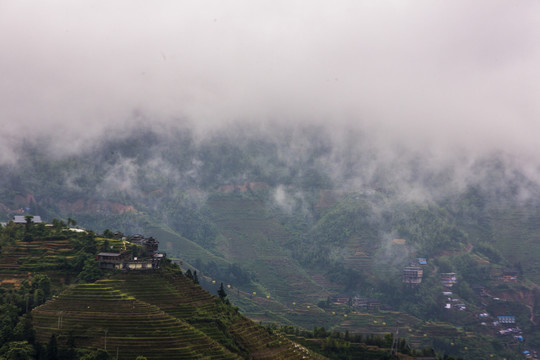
point(107, 260)
point(150, 244)
point(126, 261)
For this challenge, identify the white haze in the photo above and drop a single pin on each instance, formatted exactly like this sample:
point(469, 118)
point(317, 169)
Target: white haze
point(448, 79)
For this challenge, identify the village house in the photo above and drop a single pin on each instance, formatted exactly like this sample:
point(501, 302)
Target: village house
point(340, 299)
point(412, 275)
point(366, 303)
point(21, 219)
point(448, 279)
point(150, 244)
point(510, 275)
point(107, 260)
point(506, 319)
point(126, 260)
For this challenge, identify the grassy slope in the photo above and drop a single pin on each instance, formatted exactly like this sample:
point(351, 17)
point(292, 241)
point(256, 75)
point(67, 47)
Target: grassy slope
point(253, 237)
point(170, 241)
point(516, 234)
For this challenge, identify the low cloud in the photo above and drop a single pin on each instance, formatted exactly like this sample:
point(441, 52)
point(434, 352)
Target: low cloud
point(445, 82)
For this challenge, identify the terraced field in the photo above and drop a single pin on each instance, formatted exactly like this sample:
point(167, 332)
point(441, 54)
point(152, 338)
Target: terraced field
point(22, 255)
point(180, 298)
point(100, 316)
point(517, 235)
point(359, 253)
point(160, 316)
point(19, 261)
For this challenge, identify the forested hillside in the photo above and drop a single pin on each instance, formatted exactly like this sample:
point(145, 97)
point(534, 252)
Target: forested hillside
point(295, 222)
point(59, 302)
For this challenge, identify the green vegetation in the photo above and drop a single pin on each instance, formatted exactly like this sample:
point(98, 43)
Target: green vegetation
point(291, 218)
point(159, 315)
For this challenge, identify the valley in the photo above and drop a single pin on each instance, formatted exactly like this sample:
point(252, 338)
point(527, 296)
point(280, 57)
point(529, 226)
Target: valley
point(296, 245)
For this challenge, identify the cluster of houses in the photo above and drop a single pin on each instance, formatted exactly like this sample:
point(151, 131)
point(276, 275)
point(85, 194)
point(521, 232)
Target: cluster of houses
point(453, 302)
point(507, 323)
point(126, 261)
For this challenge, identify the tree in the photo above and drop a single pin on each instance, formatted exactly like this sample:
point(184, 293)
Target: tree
point(195, 277)
point(25, 329)
point(29, 221)
point(8, 320)
point(91, 271)
point(105, 246)
point(189, 274)
point(52, 349)
point(10, 233)
point(28, 227)
point(58, 225)
point(99, 354)
point(43, 283)
point(221, 293)
point(17, 350)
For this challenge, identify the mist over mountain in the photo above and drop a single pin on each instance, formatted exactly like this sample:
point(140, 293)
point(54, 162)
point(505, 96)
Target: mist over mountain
point(299, 150)
point(450, 80)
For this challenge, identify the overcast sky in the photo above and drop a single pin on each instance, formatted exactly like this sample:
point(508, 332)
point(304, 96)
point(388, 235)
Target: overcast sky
point(454, 74)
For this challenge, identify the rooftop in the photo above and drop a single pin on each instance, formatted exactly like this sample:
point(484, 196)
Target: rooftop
point(108, 254)
point(20, 219)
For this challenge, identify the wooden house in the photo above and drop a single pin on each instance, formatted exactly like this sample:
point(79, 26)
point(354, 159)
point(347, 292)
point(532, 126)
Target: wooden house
point(412, 275)
point(150, 244)
point(340, 299)
point(107, 260)
point(126, 261)
point(448, 279)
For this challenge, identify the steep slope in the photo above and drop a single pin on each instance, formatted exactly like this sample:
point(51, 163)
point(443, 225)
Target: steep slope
point(157, 315)
point(97, 315)
point(253, 236)
point(180, 298)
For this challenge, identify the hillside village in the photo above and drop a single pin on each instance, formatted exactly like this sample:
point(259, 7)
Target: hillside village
point(146, 308)
point(140, 254)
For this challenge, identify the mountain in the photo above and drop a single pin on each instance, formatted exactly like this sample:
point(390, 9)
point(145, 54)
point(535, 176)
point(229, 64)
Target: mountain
point(294, 220)
point(53, 307)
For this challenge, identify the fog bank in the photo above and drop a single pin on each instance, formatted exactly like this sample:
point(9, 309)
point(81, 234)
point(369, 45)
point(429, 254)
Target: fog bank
point(444, 79)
